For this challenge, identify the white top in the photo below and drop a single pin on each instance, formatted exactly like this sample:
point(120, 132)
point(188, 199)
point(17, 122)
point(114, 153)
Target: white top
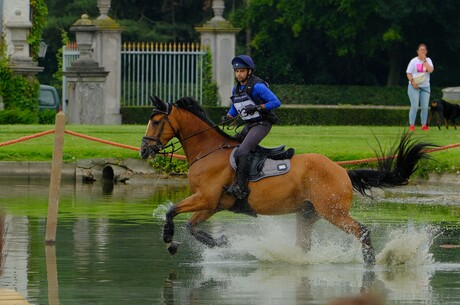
point(416, 68)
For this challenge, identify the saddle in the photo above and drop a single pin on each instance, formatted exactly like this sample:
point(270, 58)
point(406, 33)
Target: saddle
point(267, 162)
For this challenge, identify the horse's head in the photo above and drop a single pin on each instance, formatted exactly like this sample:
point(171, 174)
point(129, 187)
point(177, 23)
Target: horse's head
point(158, 133)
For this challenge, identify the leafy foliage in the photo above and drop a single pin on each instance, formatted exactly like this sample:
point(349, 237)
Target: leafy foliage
point(210, 90)
point(18, 94)
point(17, 116)
point(348, 42)
point(39, 13)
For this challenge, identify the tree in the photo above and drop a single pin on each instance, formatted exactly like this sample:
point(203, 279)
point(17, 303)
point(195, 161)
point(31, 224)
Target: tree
point(142, 20)
point(349, 41)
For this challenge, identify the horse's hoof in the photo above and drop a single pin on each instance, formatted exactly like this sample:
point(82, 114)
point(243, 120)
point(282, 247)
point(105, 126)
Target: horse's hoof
point(369, 261)
point(222, 241)
point(172, 248)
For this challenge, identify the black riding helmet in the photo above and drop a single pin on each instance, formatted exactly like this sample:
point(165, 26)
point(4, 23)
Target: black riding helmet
point(243, 62)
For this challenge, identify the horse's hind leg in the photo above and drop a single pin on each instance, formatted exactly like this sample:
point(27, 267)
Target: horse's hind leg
point(349, 225)
point(202, 236)
point(305, 220)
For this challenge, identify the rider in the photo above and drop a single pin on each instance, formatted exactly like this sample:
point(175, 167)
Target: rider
point(253, 101)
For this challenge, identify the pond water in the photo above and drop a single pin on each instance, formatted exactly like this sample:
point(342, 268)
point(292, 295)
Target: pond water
point(109, 249)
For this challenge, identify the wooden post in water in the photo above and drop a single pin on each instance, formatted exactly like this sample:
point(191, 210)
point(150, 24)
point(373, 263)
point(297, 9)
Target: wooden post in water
point(55, 180)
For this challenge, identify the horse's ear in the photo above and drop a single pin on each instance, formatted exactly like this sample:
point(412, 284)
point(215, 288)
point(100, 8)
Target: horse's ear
point(158, 103)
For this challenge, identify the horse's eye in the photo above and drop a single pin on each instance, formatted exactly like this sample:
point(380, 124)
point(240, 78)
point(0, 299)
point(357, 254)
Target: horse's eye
point(155, 122)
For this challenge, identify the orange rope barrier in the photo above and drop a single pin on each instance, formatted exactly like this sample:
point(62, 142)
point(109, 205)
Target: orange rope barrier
point(181, 157)
point(27, 138)
point(100, 140)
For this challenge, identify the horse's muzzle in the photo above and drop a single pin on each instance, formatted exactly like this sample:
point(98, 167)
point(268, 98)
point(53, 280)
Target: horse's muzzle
point(148, 149)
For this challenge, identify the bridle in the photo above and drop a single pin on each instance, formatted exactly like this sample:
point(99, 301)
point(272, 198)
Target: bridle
point(151, 145)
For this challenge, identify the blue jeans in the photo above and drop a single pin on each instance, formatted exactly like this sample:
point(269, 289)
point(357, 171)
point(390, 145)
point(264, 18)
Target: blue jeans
point(418, 97)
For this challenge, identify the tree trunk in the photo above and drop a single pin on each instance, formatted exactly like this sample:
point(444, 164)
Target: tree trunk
point(394, 74)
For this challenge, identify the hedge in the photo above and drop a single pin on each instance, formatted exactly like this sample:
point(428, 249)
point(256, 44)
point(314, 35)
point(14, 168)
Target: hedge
point(346, 95)
point(345, 98)
point(301, 116)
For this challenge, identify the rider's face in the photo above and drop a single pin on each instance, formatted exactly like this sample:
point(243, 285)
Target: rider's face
point(241, 75)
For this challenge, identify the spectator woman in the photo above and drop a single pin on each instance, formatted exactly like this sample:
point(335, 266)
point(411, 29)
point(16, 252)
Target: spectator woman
point(418, 73)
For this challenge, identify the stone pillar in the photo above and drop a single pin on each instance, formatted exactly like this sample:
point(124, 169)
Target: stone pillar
point(107, 52)
point(85, 79)
point(20, 61)
point(219, 35)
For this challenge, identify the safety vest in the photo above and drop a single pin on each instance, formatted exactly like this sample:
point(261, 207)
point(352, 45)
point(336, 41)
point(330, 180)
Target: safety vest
point(243, 97)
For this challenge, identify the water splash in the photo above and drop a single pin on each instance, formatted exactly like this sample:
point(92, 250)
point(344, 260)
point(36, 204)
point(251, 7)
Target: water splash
point(408, 246)
point(273, 240)
point(160, 212)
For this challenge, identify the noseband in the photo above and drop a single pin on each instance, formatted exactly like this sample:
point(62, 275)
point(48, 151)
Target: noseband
point(152, 145)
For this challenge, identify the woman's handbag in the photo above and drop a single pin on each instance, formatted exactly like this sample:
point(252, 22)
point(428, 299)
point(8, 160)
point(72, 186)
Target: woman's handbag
point(419, 78)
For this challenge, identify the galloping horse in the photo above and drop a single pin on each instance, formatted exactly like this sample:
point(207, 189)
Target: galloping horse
point(315, 187)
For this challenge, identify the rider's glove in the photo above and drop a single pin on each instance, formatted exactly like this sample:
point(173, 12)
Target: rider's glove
point(224, 119)
point(251, 109)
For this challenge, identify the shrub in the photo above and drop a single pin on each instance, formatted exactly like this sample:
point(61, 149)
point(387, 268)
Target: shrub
point(18, 116)
point(345, 95)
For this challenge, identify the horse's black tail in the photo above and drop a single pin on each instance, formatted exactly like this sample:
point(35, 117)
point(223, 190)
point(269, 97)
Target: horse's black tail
point(394, 169)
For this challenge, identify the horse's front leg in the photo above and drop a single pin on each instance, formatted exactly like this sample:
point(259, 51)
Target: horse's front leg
point(168, 231)
point(194, 203)
point(202, 236)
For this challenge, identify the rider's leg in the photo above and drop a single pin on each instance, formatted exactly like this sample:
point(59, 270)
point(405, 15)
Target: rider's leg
point(241, 190)
point(254, 136)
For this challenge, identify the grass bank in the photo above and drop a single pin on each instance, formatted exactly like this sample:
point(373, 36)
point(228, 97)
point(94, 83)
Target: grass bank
point(340, 143)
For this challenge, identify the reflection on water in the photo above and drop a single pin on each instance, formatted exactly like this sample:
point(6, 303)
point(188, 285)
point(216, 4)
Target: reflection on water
point(109, 251)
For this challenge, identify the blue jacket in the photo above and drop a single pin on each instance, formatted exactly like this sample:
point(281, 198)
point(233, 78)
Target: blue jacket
point(260, 94)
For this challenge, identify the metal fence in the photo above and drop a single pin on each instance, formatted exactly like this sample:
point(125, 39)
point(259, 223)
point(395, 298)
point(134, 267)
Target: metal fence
point(70, 54)
point(169, 71)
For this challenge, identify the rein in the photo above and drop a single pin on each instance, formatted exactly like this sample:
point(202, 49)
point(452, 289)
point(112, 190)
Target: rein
point(171, 153)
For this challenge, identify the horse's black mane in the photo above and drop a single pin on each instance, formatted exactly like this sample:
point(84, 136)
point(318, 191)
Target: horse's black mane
point(189, 104)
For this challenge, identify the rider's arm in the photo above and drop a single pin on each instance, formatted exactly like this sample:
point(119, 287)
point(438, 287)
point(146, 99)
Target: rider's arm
point(232, 112)
point(262, 91)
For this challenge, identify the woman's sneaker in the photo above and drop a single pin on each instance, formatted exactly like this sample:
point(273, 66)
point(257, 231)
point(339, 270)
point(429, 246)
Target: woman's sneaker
point(425, 127)
point(412, 128)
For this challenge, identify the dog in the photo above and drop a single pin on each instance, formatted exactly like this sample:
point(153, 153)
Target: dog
point(446, 111)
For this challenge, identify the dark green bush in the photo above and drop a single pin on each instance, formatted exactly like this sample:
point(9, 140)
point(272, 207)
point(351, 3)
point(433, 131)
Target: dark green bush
point(17, 116)
point(300, 116)
point(47, 116)
point(345, 95)
point(19, 96)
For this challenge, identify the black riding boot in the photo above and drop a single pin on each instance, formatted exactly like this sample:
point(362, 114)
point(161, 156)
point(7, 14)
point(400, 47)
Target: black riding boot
point(240, 190)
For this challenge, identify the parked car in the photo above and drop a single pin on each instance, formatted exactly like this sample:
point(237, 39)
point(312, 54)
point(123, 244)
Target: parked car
point(48, 98)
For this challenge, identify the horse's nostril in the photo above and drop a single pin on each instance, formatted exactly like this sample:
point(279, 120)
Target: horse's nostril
point(144, 154)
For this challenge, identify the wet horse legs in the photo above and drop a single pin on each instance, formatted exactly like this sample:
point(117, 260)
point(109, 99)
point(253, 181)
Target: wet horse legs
point(168, 231)
point(368, 250)
point(305, 220)
point(202, 236)
point(349, 225)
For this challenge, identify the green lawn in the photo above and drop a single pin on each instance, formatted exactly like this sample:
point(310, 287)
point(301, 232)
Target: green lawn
point(339, 143)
